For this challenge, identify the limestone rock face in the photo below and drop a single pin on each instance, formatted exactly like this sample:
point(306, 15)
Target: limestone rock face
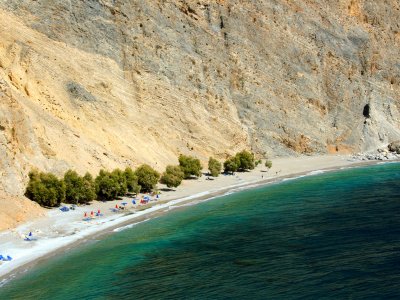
point(16, 210)
point(109, 83)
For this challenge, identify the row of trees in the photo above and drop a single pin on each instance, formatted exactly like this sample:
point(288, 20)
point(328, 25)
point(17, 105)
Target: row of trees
point(48, 190)
point(242, 162)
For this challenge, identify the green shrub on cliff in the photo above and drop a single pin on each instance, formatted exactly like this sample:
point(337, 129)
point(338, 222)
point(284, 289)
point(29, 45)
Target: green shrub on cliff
point(45, 189)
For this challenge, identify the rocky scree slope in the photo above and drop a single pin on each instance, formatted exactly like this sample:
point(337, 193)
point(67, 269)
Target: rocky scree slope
point(103, 84)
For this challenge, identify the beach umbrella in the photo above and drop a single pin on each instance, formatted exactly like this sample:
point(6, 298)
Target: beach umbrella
point(116, 206)
point(124, 203)
point(92, 213)
point(133, 202)
point(30, 233)
point(85, 214)
point(158, 196)
point(98, 211)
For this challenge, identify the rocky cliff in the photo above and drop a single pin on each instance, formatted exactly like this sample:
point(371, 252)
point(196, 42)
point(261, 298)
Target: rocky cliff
point(106, 83)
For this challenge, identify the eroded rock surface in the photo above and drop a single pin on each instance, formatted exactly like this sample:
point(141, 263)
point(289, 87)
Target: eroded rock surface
point(100, 83)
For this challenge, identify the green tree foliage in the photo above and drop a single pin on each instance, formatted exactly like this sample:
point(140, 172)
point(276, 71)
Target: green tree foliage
point(232, 164)
point(173, 176)
point(120, 179)
point(147, 177)
point(106, 185)
point(190, 166)
point(214, 166)
point(90, 188)
point(45, 189)
point(73, 187)
point(246, 160)
point(242, 161)
point(132, 181)
point(110, 185)
point(268, 164)
point(78, 189)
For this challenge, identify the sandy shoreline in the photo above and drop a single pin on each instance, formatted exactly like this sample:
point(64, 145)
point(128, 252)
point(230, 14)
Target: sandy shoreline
point(58, 231)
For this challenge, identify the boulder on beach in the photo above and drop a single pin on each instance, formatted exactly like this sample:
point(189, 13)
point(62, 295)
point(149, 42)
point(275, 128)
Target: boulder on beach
point(394, 147)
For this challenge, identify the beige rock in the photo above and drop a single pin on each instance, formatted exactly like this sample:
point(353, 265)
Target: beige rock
point(119, 83)
point(16, 210)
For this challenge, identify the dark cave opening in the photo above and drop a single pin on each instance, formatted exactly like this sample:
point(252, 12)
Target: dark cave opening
point(366, 111)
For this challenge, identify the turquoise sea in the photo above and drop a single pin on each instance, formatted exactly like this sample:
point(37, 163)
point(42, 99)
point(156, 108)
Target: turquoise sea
point(329, 236)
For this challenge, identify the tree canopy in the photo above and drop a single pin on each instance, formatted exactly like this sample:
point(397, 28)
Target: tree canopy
point(246, 160)
point(190, 166)
point(242, 161)
point(173, 176)
point(107, 186)
point(90, 187)
point(45, 189)
point(78, 189)
point(214, 166)
point(120, 179)
point(231, 165)
point(147, 177)
point(132, 181)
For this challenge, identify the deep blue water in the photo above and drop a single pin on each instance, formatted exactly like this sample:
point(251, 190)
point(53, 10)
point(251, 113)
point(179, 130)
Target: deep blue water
point(329, 236)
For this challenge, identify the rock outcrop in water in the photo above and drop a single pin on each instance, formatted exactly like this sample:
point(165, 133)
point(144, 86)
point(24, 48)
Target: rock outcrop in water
point(101, 83)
